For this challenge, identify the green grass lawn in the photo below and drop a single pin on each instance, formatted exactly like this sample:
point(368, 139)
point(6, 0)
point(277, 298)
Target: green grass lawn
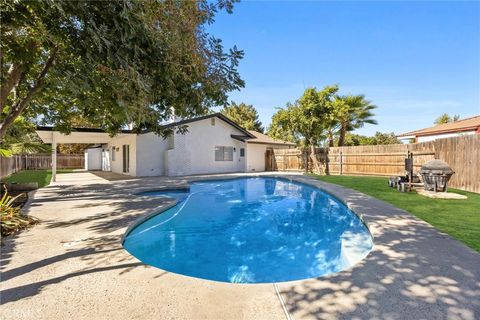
point(458, 218)
point(43, 177)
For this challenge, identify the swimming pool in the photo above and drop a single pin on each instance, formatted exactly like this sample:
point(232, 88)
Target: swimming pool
point(251, 230)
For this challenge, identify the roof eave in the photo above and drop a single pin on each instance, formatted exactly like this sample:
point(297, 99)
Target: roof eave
point(430, 133)
point(76, 129)
point(275, 143)
point(406, 137)
point(240, 138)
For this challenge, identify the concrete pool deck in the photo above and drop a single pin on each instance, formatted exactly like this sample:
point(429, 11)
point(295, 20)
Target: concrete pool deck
point(72, 265)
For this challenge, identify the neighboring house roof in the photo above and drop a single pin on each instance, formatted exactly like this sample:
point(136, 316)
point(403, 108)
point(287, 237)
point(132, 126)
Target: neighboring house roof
point(467, 124)
point(261, 138)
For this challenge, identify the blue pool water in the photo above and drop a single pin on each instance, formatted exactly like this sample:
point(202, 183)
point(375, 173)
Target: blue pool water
point(251, 230)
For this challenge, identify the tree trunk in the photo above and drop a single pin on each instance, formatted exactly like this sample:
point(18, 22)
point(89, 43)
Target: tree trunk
point(341, 136)
point(20, 106)
point(314, 158)
point(330, 138)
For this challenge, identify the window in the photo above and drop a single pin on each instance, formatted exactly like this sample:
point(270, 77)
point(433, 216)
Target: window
point(242, 152)
point(212, 121)
point(113, 153)
point(223, 153)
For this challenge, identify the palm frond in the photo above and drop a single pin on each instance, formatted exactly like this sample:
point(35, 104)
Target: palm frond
point(5, 153)
point(28, 147)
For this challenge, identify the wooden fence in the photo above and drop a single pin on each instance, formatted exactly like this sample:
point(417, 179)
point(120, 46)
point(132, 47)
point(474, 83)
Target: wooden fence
point(381, 160)
point(17, 163)
point(461, 153)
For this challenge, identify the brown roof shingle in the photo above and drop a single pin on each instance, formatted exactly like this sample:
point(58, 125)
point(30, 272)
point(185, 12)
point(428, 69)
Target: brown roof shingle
point(467, 124)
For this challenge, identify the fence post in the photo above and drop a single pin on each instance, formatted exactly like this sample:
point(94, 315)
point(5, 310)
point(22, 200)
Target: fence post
point(54, 158)
point(272, 161)
point(341, 163)
point(305, 159)
point(327, 160)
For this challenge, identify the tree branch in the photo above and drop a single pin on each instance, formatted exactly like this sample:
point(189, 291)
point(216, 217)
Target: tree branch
point(18, 108)
point(14, 74)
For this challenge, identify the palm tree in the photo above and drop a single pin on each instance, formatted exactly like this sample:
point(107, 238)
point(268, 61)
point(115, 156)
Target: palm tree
point(352, 112)
point(21, 139)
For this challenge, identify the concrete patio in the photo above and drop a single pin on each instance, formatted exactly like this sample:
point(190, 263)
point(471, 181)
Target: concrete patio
point(72, 265)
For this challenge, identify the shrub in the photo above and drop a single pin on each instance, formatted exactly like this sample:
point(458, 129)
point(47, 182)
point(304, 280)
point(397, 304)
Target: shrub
point(12, 219)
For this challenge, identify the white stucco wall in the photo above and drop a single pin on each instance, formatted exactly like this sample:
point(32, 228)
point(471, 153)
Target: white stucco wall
point(256, 157)
point(194, 152)
point(150, 155)
point(441, 136)
point(191, 153)
point(178, 156)
point(117, 164)
point(93, 159)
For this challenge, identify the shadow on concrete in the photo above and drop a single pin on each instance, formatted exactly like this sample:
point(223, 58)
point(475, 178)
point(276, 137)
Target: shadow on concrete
point(111, 176)
point(101, 251)
point(17, 293)
point(99, 254)
point(413, 272)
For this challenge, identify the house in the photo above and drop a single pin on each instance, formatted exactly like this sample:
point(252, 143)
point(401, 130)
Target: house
point(213, 144)
point(461, 127)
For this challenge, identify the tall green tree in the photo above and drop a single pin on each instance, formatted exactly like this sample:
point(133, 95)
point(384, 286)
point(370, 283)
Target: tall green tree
point(243, 114)
point(351, 112)
point(446, 118)
point(112, 62)
point(306, 120)
point(282, 125)
point(378, 139)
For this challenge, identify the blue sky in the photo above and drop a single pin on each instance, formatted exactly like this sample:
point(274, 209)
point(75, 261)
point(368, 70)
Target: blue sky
point(414, 60)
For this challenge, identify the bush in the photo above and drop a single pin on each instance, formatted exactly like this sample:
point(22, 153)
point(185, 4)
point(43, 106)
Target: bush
point(12, 219)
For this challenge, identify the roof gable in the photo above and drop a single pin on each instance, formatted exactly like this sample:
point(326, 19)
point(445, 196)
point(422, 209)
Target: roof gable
point(219, 115)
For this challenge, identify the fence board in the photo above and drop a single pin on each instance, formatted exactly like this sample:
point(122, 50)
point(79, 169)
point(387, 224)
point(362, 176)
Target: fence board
point(461, 153)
